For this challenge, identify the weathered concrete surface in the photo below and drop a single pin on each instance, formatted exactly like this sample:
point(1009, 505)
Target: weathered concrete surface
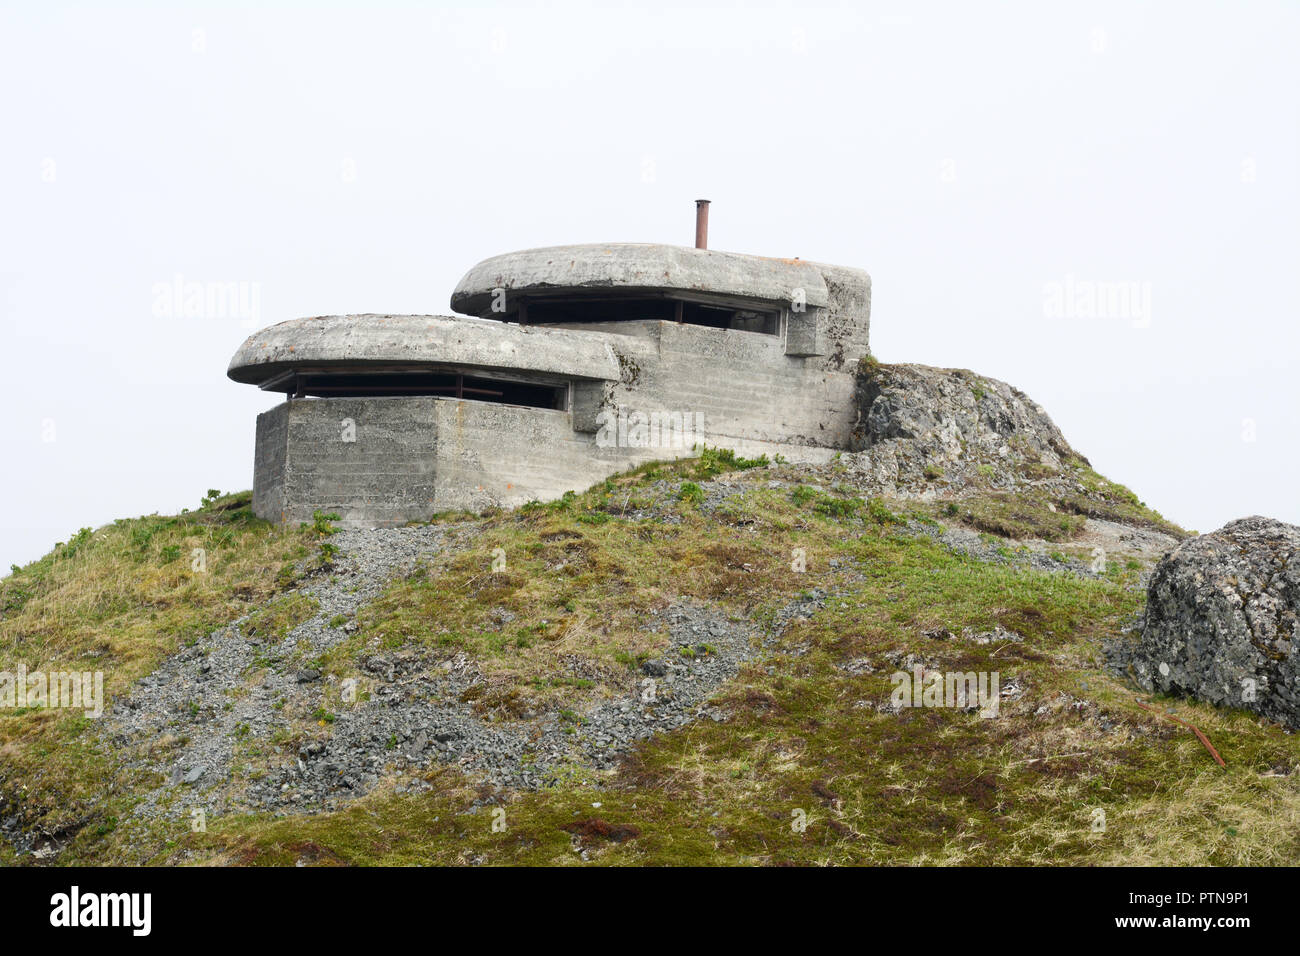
point(845, 323)
point(384, 462)
point(790, 394)
point(445, 340)
point(1221, 618)
point(413, 457)
point(410, 458)
point(270, 464)
point(743, 384)
point(505, 455)
point(646, 267)
point(368, 460)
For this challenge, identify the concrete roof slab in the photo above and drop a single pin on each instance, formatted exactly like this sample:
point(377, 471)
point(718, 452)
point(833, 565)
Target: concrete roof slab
point(421, 340)
point(643, 267)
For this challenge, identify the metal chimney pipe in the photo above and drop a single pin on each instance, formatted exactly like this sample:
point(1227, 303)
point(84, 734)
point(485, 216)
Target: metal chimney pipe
point(701, 224)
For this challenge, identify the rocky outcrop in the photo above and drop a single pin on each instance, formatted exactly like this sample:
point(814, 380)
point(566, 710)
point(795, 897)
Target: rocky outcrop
point(1221, 617)
point(915, 421)
point(931, 434)
point(954, 412)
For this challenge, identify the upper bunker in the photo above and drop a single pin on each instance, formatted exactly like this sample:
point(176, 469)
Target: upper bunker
point(534, 284)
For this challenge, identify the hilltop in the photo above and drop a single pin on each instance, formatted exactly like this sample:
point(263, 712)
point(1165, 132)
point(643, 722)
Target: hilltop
point(690, 662)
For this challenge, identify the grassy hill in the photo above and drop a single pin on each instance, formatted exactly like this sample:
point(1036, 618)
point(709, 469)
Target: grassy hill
point(792, 753)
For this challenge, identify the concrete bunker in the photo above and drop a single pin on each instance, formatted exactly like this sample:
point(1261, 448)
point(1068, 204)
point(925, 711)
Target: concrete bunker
point(542, 383)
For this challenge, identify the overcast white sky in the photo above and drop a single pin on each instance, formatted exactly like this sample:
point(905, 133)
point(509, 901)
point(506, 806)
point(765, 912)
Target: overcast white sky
point(360, 158)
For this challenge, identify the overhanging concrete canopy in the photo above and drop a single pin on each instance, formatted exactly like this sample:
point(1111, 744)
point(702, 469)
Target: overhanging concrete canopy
point(638, 267)
point(407, 340)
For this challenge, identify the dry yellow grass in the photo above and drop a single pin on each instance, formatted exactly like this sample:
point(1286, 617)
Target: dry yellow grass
point(117, 600)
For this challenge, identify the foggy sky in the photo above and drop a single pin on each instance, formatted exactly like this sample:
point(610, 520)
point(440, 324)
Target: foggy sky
point(993, 166)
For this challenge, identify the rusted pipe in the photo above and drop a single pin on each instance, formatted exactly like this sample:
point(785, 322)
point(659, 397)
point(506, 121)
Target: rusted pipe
point(1196, 730)
point(701, 224)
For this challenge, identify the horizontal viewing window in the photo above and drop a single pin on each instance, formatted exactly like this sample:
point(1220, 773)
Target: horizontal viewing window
point(589, 311)
point(446, 384)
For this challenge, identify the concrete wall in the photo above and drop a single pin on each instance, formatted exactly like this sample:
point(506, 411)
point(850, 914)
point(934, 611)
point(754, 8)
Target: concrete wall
point(268, 463)
point(751, 394)
point(415, 456)
point(505, 455)
point(383, 476)
point(848, 317)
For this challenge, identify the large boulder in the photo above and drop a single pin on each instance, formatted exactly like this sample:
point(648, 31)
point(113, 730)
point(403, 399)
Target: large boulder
point(955, 411)
point(914, 418)
point(1221, 618)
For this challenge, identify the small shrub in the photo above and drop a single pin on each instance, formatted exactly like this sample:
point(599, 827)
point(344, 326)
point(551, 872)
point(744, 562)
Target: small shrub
point(320, 523)
point(690, 491)
point(562, 503)
point(714, 461)
point(837, 507)
point(881, 514)
point(802, 495)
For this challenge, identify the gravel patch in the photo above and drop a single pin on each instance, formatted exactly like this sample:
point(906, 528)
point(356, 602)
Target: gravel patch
point(195, 720)
point(195, 698)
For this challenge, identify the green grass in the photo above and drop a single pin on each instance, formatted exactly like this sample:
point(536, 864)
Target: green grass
point(804, 737)
point(1022, 515)
point(925, 786)
point(1103, 498)
point(118, 599)
point(1038, 512)
point(272, 622)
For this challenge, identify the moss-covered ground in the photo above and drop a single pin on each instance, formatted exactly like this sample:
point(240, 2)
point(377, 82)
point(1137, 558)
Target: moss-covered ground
point(810, 765)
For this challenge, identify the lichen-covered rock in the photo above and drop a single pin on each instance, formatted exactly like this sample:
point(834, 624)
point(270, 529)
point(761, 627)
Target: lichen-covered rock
point(1221, 619)
point(953, 412)
point(914, 421)
point(938, 434)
